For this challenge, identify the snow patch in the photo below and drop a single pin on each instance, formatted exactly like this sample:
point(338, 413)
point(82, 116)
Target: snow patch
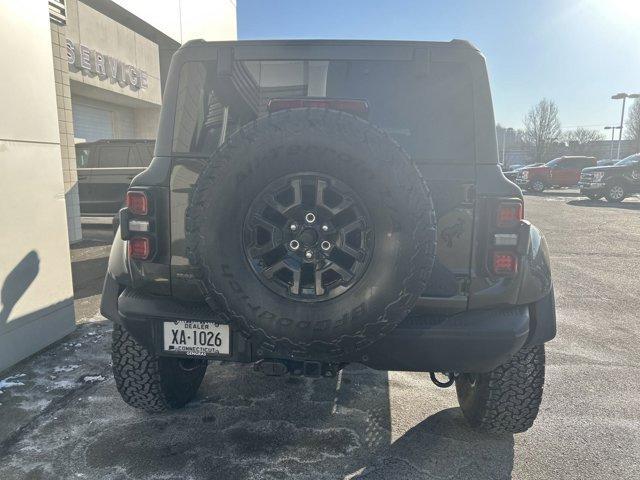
point(65, 368)
point(10, 381)
point(62, 385)
point(93, 378)
point(34, 405)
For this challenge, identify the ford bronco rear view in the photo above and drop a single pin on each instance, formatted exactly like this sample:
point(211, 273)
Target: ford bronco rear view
point(313, 204)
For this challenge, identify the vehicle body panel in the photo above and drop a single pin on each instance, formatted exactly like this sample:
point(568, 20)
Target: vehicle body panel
point(560, 172)
point(626, 172)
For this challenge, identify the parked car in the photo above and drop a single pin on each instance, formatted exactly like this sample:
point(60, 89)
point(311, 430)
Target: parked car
point(614, 182)
point(105, 170)
point(292, 224)
point(513, 173)
point(559, 172)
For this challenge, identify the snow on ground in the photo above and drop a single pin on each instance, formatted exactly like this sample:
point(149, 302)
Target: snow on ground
point(10, 381)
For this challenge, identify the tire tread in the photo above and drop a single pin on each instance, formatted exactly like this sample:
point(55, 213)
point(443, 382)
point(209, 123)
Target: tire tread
point(510, 396)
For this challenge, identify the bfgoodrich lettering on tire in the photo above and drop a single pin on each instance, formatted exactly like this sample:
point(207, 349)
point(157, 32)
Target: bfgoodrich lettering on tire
point(314, 230)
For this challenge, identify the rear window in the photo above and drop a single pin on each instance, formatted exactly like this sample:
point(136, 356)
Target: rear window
point(114, 156)
point(428, 111)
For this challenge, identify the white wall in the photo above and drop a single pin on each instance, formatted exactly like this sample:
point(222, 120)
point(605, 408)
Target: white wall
point(36, 292)
point(207, 19)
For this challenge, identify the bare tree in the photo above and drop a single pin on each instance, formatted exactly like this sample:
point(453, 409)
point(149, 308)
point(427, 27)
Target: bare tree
point(632, 126)
point(542, 128)
point(580, 139)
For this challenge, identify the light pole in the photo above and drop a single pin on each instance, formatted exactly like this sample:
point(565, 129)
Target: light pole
point(613, 132)
point(504, 145)
point(624, 97)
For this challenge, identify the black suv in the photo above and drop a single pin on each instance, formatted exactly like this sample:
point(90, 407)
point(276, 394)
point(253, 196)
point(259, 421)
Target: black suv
point(105, 170)
point(614, 182)
point(317, 203)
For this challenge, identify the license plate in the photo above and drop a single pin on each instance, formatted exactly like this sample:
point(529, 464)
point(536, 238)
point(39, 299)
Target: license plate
point(196, 338)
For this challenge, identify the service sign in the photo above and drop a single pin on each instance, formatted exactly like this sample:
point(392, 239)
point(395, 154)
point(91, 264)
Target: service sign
point(81, 57)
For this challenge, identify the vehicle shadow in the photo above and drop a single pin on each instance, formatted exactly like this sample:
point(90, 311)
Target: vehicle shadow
point(444, 446)
point(604, 204)
point(246, 425)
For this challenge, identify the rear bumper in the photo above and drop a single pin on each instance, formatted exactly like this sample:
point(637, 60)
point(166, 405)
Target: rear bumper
point(472, 341)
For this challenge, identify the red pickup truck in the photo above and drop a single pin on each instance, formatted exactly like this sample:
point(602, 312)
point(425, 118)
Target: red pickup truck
point(559, 172)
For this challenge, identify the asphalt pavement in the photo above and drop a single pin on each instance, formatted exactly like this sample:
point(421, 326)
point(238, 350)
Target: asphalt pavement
point(61, 416)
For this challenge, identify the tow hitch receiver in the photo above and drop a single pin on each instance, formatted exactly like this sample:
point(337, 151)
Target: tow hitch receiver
point(451, 378)
point(278, 368)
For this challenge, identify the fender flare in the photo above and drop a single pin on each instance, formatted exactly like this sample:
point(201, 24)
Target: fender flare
point(536, 265)
point(116, 279)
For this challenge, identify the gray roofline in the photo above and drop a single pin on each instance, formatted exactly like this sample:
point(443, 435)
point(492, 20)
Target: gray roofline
point(320, 41)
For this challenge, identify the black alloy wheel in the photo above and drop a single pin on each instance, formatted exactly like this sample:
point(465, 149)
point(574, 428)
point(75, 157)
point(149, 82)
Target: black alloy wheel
point(308, 237)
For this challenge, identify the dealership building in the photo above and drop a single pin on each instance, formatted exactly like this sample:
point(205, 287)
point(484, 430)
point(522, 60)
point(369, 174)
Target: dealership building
point(81, 70)
point(109, 67)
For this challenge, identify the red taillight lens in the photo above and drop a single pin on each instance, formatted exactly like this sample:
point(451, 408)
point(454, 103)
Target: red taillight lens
point(140, 248)
point(137, 202)
point(505, 263)
point(509, 214)
point(357, 107)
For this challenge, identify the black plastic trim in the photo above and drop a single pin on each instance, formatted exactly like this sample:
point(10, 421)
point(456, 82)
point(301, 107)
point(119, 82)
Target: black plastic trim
point(471, 341)
point(543, 320)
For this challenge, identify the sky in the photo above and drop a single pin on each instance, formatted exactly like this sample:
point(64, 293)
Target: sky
point(574, 52)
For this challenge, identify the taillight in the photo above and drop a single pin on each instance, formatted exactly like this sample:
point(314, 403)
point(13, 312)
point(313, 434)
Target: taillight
point(140, 248)
point(137, 225)
point(509, 214)
point(505, 237)
point(357, 107)
point(505, 263)
point(137, 202)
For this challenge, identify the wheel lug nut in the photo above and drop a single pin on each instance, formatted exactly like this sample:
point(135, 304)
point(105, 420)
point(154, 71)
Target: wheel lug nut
point(308, 254)
point(294, 244)
point(325, 228)
point(325, 245)
point(293, 227)
point(310, 217)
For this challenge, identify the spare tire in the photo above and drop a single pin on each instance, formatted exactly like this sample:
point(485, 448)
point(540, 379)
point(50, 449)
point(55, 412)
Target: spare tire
point(314, 231)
